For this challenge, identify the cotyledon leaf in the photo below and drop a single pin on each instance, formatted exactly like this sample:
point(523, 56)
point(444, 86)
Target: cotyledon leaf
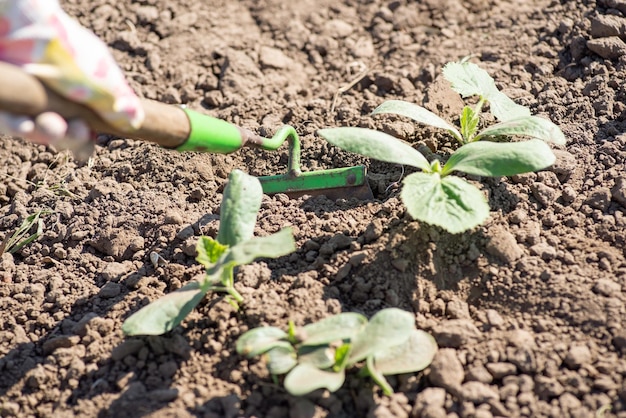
point(271, 246)
point(413, 355)
point(418, 114)
point(531, 126)
point(165, 313)
point(449, 202)
point(485, 158)
point(259, 340)
point(240, 204)
point(281, 359)
point(375, 144)
point(305, 378)
point(334, 328)
point(386, 328)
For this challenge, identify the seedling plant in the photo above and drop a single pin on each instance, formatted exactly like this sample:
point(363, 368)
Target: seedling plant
point(22, 235)
point(234, 245)
point(317, 355)
point(434, 195)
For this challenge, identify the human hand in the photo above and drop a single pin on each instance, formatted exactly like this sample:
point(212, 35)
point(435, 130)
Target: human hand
point(44, 41)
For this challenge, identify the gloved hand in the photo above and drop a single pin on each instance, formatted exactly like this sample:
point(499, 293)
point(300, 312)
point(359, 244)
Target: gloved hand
point(39, 37)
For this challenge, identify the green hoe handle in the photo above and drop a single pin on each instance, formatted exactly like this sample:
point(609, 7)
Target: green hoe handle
point(167, 125)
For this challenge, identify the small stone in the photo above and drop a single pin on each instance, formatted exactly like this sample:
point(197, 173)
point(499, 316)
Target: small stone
point(110, 290)
point(577, 356)
point(457, 309)
point(455, 333)
point(611, 47)
point(548, 387)
point(565, 164)
point(62, 341)
point(112, 272)
point(603, 26)
point(569, 402)
point(163, 395)
point(478, 393)
point(494, 319)
point(173, 218)
point(604, 384)
point(186, 232)
point(479, 373)
point(544, 194)
point(501, 369)
point(544, 250)
point(400, 264)
point(446, 370)
point(619, 191)
point(127, 348)
point(607, 287)
point(274, 58)
point(337, 28)
point(600, 199)
point(502, 244)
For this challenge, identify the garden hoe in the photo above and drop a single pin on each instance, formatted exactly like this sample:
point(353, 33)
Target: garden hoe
point(187, 130)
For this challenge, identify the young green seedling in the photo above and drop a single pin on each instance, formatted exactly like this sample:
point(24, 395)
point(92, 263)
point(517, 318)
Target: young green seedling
point(20, 238)
point(468, 80)
point(235, 245)
point(317, 355)
point(433, 195)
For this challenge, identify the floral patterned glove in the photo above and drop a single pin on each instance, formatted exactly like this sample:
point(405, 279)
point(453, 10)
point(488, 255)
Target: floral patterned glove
point(39, 37)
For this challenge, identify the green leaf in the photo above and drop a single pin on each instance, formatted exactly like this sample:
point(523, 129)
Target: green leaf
point(259, 340)
point(413, 355)
point(418, 114)
point(449, 202)
point(469, 122)
point(335, 328)
point(271, 246)
point(240, 205)
point(165, 313)
point(321, 356)
point(385, 329)
point(305, 378)
point(209, 251)
point(495, 159)
point(281, 359)
point(532, 126)
point(342, 356)
point(375, 144)
point(468, 79)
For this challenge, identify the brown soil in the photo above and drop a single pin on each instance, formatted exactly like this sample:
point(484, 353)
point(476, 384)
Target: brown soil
point(528, 309)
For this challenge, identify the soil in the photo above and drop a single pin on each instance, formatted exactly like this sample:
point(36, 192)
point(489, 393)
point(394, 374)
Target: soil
point(528, 309)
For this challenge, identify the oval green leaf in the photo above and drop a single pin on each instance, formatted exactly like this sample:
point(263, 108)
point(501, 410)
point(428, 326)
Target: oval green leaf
point(485, 158)
point(335, 328)
point(531, 126)
point(165, 313)
point(209, 251)
point(385, 329)
point(271, 246)
point(413, 355)
point(259, 340)
point(321, 356)
point(305, 378)
point(468, 79)
point(449, 202)
point(418, 114)
point(240, 204)
point(375, 144)
point(281, 359)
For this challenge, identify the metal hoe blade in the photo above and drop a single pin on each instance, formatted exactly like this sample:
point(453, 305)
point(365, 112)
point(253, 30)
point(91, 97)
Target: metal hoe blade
point(336, 183)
